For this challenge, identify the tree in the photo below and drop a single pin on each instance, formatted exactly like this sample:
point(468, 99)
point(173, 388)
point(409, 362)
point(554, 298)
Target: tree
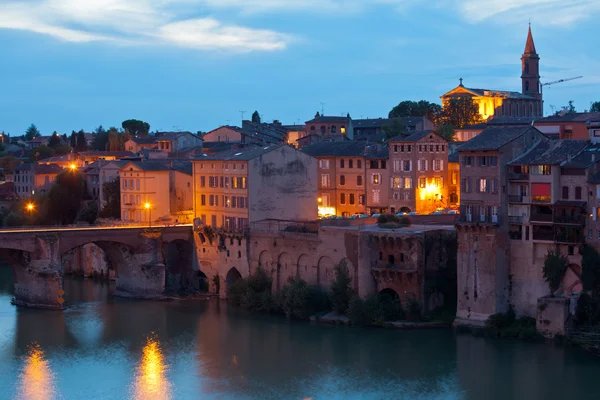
point(395, 127)
point(62, 149)
point(54, 140)
point(81, 142)
point(460, 112)
point(100, 141)
point(256, 117)
point(136, 127)
point(112, 200)
point(570, 107)
point(88, 214)
point(31, 132)
point(595, 107)
point(555, 267)
point(41, 152)
point(64, 198)
point(73, 139)
point(341, 292)
point(420, 108)
point(9, 163)
point(446, 131)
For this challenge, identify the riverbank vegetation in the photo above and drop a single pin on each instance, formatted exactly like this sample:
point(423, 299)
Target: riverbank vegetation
point(586, 329)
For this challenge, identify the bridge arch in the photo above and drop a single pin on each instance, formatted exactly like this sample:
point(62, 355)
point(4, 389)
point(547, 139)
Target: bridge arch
point(232, 276)
point(352, 270)
point(325, 272)
point(305, 270)
point(285, 270)
point(265, 261)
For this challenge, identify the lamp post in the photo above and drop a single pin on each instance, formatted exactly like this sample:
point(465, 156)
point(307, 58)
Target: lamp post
point(73, 167)
point(147, 207)
point(30, 207)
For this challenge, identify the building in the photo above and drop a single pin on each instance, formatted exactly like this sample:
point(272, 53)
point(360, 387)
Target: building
point(85, 158)
point(418, 174)
point(568, 125)
point(240, 186)
point(373, 129)
point(164, 141)
point(453, 179)
point(527, 103)
point(31, 179)
point(483, 255)
point(377, 179)
point(330, 126)
point(342, 176)
point(226, 133)
point(108, 172)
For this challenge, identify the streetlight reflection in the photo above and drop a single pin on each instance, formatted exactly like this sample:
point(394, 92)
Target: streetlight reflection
point(37, 379)
point(150, 378)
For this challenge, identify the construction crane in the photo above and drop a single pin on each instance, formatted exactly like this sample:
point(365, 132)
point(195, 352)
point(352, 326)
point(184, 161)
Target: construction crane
point(558, 81)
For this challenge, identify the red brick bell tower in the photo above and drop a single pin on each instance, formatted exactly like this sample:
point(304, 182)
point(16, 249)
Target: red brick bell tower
point(530, 68)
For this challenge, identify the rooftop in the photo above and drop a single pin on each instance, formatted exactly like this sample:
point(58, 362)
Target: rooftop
point(412, 136)
point(344, 148)
point(551, 152)
point(328, 118)
point(494, 137)
point(149, 165)
point(105, 153)
point(244, 154)
point(572, 117)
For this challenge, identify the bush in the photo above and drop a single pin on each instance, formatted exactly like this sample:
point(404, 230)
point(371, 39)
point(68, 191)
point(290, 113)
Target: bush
point(414, 310)
point(88, 214)
point(507, 326)
point(555, 267)
point(587, 311)
point(253, 293)
point(374, 311)
point(293, 299)
point(341, 292)
point(500, 321)
point(385, 218)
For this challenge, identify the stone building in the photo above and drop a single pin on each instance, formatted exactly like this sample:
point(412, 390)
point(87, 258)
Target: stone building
point(326, 126)
point(31, 179)
point(373, 129)
point(418, 172)
point(568, 125)
point(527, 103)
point(377, 179)
point(240, 186)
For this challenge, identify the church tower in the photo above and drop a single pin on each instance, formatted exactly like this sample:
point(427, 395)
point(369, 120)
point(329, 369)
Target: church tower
point(530, 68)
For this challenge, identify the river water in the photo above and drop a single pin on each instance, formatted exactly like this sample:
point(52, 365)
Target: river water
point(108, 348)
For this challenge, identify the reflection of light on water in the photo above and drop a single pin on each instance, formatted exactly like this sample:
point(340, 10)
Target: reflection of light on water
point(37, 379)
point(150, 379)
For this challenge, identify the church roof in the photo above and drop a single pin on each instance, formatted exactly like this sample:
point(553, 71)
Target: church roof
point(530, 46)
point(500, 93)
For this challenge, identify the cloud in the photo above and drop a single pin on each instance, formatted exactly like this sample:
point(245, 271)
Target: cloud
point(134, 22)
point(548, 12)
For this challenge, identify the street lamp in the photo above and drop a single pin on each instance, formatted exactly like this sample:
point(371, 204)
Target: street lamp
point(30, 207)
point(73, 167)
point(147, 207)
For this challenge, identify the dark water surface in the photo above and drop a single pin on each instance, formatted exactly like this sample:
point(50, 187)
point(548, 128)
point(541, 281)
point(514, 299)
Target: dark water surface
point(107, 348)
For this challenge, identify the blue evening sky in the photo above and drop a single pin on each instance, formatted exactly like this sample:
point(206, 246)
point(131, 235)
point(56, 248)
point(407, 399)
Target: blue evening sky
point(194, 64)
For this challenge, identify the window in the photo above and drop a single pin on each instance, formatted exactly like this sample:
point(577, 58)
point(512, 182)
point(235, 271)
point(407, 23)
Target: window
point(376, 179)
point(422, 182)
point(577, 192)
point(358, 163)
point(407, 183)
point(565, 192)
point(325, 200)
point(342, 198)
point(137, 184)
point(333, 129)
point(234, 201)
point(211, 200)
point(527, 86)
point(226, 201)
point(324, 180)
point(395, 148)
point(341, 163)
point(396, 183)
point(202, 181)
point(422, 165)
point(324, 164)
point(541, 170)
point(351, 198)
point(454, 178)
point(376, 196)
point(137, 199)
point(203, 200)
point(350, 163)
point(438, 165)
point(342, 180)
point(361, 199)
point(431, 148)
point(359, 180)
point(467, 161)
point(406, 165)
point(438, 182)
point(383, 164)
point(482, 161)
point(373, 164)
point(483, 187)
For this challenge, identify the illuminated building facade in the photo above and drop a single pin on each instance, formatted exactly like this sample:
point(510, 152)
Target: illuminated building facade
point(418, 172)
point(494, 103)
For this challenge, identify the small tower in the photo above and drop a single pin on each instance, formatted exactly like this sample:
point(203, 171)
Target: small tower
point(530, 68)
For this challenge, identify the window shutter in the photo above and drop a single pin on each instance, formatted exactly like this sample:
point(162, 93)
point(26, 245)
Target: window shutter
point(441, 165)
point(442, 181)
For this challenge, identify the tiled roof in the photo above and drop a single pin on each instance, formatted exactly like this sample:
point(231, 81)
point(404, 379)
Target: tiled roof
point(552, 152)
point(326, 118)
point(501, 93)
point(494, 137)
point(572, 117)
point(505, 120)
point(105, 153)
point(381, 122)
point(294, 128)
point(144, 140)
point(474, 126)
point(589, 156)
point(149, 165)
point(412, 137)
point(454, 157)
point(378, 152)
point(182, 166)
point(529, 45)
point(345, 148)
point(47, 169)
point(245, 154)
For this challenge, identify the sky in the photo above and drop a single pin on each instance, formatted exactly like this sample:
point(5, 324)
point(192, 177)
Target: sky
point(196, 64)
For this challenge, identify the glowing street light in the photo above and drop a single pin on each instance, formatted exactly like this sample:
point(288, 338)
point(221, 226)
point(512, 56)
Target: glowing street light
point(148, 207)
point(320, 200)
point(73, 167)
point(30, 207)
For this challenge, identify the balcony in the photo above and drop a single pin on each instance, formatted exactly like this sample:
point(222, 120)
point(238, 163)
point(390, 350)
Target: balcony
point(573, 237)
point(516, 176)
point(577, 219)
point(543, 235)
point(479, 218)
point(515, 219)
point(515, 198)
point(536, 217)
point(541, 199)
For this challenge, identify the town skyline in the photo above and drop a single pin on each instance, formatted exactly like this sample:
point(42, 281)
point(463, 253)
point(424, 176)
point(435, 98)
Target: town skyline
point(64, 81)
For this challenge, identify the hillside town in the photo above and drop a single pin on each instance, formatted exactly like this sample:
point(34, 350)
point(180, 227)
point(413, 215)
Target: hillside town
point(512, 183)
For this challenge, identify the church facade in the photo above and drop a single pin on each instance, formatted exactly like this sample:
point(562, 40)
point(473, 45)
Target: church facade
point(500, 103)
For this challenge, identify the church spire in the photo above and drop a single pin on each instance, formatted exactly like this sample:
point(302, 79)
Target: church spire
point(529, 46)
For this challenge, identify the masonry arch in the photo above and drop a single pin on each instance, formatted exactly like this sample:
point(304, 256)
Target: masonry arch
point(285, 270)
point(265, 261)
point(325, 272)
point(232, 276)
point(305, 270)
point(352, 270)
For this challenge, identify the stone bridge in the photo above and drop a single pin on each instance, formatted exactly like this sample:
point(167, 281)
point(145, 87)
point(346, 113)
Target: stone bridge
point(138, 255)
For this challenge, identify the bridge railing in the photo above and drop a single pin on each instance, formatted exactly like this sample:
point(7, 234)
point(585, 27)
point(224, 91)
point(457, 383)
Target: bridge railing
point(86, 226)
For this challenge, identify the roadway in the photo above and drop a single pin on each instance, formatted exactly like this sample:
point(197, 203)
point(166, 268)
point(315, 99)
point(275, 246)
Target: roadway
point(38, 229)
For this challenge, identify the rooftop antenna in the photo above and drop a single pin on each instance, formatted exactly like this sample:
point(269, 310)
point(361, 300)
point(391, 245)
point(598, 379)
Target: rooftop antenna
point(242, 113)
point(322, 108)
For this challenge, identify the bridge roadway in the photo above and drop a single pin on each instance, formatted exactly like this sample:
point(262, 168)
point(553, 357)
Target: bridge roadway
point(37, 256)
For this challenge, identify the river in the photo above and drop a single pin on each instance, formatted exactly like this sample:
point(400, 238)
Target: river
point(103, 347)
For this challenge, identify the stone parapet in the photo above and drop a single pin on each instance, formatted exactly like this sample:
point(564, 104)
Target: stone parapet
point(552, 316)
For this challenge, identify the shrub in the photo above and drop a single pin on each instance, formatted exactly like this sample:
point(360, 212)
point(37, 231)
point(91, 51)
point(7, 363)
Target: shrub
point(293, 299)
point(587, 311)
point(374, 311)
point(385, 218)
point(590, 269)
point(356, 311)
point(555, 267)
point(236, 291)
point(414, 309)
point(341, 292)
point(88, 214)
point(253, 293)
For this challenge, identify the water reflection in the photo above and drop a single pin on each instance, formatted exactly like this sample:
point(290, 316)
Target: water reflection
point(37, 379)
point(151, 381)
